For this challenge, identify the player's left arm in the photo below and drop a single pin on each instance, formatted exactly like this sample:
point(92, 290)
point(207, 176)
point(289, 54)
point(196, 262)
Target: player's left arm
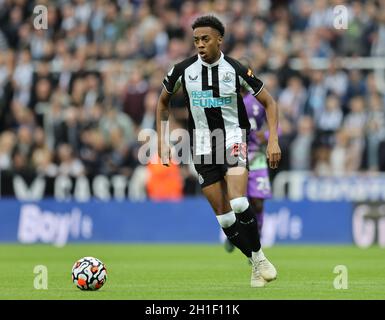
point(273, 151)
point(255, 86)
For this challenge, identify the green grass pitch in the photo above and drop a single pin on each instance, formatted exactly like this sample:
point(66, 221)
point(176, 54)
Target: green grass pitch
point(192, 272)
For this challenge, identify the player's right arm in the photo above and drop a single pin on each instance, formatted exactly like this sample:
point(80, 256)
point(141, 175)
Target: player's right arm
point(171, 84)
point(162, 114)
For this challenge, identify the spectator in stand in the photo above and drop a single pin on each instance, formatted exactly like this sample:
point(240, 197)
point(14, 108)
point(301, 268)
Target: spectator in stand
point(354, 124)
point(292, 99)
point(133, 103)
point(374, 131)
point(301, 147)
point(67, 163)
point(342, 160)
point(330, 120)
point(42, 161)
point(7, 143)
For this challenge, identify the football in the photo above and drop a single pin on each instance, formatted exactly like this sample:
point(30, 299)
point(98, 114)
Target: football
point(89, 273)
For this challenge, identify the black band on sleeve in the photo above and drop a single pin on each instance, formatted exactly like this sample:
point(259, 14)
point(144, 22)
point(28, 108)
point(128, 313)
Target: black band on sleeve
point(247, 75)
point(171, 78)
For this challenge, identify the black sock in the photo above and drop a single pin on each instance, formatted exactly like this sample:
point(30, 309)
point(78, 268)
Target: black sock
point(249, 224)
point(238, 238)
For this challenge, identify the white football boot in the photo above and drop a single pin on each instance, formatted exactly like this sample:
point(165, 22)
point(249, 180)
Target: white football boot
point(257, 281)
point(264, 266)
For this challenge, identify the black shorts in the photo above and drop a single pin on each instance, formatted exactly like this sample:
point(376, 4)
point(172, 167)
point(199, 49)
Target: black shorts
point(212, 168)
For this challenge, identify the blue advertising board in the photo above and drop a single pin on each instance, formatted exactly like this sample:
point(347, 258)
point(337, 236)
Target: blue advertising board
point(190, 220)
point(307, 222)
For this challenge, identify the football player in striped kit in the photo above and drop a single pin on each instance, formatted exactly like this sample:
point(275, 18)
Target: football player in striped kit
point(218, 126)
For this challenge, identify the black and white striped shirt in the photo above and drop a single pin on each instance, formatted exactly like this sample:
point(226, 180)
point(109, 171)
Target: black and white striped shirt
point(212, 94)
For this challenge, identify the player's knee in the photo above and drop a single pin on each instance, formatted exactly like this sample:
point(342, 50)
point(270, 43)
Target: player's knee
point(226, 220)
point(239, 204)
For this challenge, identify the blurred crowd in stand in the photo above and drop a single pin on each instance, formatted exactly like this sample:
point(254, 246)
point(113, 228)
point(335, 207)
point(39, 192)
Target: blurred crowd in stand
point(74, 96)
